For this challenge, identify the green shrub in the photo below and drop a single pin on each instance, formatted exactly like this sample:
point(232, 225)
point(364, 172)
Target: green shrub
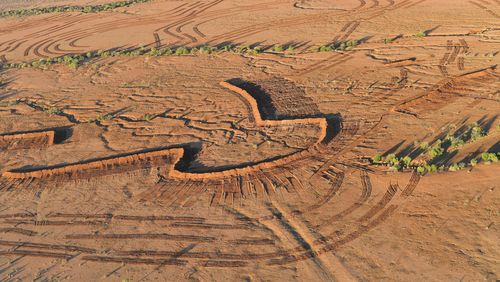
point(420, 34)
point(182, 51)
point(277, 48)
point(454, 167)
point(406, 161)
point(391, 159)
point(424, 145)
point(421, 169)
point(100, 118)
point(436, 150)
point(377, 158)
point(489, 157)
point(207, 50)
point(148, 117)
point(154, 52)
point(326, 48)
point(476, 133)
point(228, 48)
point(166, 51)
point(52, 110)
point(351, 44)
point(457, 142)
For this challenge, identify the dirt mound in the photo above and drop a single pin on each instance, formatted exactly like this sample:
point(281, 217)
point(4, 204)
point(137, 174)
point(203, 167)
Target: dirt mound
point(279, 98)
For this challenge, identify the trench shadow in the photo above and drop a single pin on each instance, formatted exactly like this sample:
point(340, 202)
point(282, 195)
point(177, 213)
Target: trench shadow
point(185, 146)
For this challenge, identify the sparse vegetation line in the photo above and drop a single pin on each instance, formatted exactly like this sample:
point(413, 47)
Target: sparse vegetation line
point(70, 8)
point(439, 149)
point(75, 60)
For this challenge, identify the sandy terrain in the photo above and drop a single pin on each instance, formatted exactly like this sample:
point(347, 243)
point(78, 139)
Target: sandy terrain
point(256, 162)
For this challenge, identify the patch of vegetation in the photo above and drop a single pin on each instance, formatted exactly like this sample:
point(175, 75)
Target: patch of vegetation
point(490, 157)
point(182, 51)
point(51, 110)
point(438, 149)
point(148, 117)
point(100, 118)
point(424, 145)
point(388, 40)
point(476, 132)
point(278, 48)
point(69, 8)
point(339, 46)
point(456, 167)
point(421, 34)
point(290, 49)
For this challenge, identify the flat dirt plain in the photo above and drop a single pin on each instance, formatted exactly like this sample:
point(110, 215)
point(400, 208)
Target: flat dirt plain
point(259, 151)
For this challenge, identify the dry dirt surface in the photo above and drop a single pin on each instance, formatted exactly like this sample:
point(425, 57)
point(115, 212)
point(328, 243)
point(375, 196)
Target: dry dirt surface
point(262, 157)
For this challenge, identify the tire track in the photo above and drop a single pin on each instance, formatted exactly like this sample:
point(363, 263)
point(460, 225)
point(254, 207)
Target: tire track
point(484, 8)
point(336, 179)
point(365, 195)
point(391, 191)
point(412, 184)
point(329, 62)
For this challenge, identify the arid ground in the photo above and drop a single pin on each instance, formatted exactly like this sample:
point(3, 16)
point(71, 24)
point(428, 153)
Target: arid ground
point(259, 140)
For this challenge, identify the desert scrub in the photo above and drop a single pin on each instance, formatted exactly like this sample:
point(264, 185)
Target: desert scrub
point(476, 132)
point(74, 61)
point(436, 150)
point(388, 40)
point(490, 157)
point(70, 8)
point(456, 167)
point(99, 118)
point(182, 51)
point(392, 161)
point(339, 46)
point(278, 48)
point(421, 34)
point(148, 117)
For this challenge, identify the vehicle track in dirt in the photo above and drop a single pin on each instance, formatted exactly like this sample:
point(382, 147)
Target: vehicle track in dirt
point(485, 8)
point(207, 259)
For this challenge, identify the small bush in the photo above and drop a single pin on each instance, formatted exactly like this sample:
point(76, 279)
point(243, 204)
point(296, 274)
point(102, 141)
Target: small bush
point(182, 51)
point(420, 34)
point(154, 52)
point(148, 117)
point(424, 145)
point(53, 111)
point(421, 169)
point(406, 161)
point(277, 48)
point(476, 133)
point(377, 158)
point(489, 157)
point(454, 167)
point(436, 150)
point(326, 48)
point(457, 142)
